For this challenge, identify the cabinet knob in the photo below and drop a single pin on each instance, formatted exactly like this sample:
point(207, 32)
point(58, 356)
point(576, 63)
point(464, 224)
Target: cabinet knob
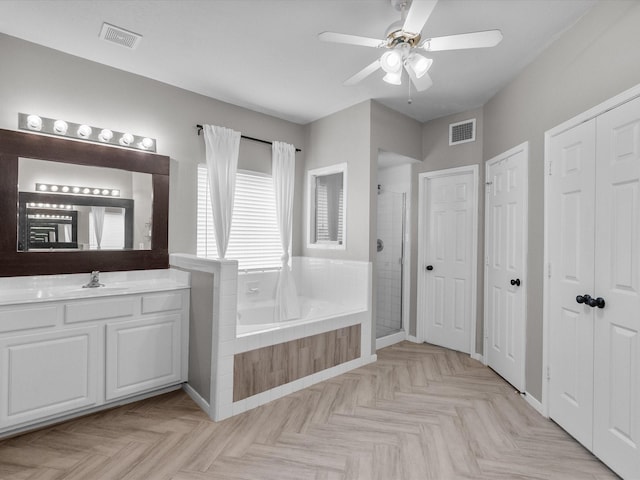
point(429, 267)
point(515, 282)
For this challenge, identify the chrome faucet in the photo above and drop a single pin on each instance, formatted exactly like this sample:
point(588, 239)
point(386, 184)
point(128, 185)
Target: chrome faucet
point(95, 280)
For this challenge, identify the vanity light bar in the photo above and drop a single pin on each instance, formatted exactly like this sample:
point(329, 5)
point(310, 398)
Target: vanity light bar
point(57, 217)
point(74, 189)
point(49, 205)
point(52, 126)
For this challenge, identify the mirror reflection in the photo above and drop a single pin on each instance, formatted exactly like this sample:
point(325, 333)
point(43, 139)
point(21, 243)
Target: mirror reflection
point(327, 201)
point(75, 207)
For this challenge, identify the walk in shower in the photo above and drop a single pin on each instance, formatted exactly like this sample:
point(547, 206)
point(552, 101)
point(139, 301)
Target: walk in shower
point(390, 260)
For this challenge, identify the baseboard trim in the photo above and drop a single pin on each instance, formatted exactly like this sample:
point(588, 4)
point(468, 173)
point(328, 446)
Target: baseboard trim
point(197, 398)
point(412, 338)
point(390, 339)
point(478, 357)
point(534, 403)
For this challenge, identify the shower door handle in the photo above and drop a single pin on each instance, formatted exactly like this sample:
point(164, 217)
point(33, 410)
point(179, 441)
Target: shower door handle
point(429, 267)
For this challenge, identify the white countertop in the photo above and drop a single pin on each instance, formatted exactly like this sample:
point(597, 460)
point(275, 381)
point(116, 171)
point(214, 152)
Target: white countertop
point(48, 288)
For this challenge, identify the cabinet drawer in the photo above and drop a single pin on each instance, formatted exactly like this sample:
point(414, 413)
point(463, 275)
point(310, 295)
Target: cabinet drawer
point(43, 375)
point(28, 318)
point(120, 307)
point(162, 302)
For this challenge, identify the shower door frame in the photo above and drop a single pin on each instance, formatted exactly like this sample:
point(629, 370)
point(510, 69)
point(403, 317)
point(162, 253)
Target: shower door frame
point(405, 279)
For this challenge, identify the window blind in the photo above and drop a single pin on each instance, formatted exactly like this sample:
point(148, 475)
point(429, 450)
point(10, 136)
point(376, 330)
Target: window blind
point(254, 240)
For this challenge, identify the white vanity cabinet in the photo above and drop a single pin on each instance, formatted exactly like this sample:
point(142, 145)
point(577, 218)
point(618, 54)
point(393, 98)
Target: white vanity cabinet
point(45, 374)
point(70, 356)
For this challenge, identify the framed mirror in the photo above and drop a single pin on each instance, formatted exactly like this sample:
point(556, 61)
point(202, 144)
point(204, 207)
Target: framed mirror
point(327, 190)
point(72, 207)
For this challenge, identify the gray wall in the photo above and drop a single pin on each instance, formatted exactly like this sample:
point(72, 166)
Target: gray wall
point(40, 80)
point(593, 61)
point(343, 137)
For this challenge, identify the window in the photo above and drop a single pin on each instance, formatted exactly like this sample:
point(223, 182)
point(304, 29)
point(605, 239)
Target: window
point(327, 195)
point(255, 238)
point(112, 230)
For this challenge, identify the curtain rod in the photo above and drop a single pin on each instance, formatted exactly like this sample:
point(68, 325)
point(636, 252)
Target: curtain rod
point(200, 128)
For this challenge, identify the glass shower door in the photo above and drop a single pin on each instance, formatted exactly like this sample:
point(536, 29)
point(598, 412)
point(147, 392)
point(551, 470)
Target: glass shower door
point(391, 214)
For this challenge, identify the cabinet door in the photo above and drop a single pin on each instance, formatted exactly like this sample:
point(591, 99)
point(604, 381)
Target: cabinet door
point(142, 355)
point(571, 245)
point(48, 374)
point(616, 434)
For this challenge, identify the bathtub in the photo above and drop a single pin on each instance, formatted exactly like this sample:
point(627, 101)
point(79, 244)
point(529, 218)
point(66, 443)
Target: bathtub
point(327, 289)
point(243, 366)
point(259, 317)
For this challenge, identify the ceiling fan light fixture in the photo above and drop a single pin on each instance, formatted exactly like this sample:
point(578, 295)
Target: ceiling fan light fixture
point(419, 64)
point(391, 61)
point(394, 78)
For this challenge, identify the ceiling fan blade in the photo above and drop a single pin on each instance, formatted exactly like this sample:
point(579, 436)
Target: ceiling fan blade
point(421, 83)
point(418, 15)
point(362, 74)
point(488, 38)
point(351, 39)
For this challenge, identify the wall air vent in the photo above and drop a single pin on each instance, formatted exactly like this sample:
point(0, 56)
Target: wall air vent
point(120, 36)
point(462, 132)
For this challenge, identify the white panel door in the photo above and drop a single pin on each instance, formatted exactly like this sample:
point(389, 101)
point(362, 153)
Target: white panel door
point(449, 261)
point(47, 374)
point(142, 354)
point(505, 263)
point(616, 434)
point(571, 220)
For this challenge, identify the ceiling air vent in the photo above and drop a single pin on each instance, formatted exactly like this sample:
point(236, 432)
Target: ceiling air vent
point(125, 38)
point(462, 132)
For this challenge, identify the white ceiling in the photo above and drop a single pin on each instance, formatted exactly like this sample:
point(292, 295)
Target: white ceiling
point(265, 55)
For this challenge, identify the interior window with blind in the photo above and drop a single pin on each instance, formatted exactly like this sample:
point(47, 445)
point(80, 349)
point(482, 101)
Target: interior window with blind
point(254, 239)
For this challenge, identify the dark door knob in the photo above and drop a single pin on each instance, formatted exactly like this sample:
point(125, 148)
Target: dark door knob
point(597, 302)
point(429, 267)
point(583, 299)
point(515, 282)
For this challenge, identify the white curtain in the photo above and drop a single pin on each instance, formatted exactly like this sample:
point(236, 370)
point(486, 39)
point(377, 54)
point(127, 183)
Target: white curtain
point(283, 172)
point(222, 146)
point(98, 224)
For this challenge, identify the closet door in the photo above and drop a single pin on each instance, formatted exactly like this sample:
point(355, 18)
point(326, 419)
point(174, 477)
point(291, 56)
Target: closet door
point(616, 432)
point(571, 225)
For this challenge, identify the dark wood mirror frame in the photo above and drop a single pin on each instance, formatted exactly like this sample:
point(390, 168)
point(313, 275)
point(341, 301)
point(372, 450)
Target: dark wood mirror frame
point(28, 145)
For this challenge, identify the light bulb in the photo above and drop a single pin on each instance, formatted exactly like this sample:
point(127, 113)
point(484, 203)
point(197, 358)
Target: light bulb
point(84, 131)
point(126, 139)
point(393, 78)
point(34, 122)
point(105, 192)
point(42, 187)
point(86, 191)
point(54, 188)
point(65, 189)
point(60, 127)
point(96, 191)
point(391, 61)
point(76, 190)
point(419, 64)
point(105, 135)
point(115, 193)
point(146, 143)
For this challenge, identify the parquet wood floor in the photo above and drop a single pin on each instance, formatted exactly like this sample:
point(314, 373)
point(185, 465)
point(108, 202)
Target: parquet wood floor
point(419, 412)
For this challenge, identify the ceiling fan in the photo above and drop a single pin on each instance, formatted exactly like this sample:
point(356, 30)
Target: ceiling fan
point(404, 40)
